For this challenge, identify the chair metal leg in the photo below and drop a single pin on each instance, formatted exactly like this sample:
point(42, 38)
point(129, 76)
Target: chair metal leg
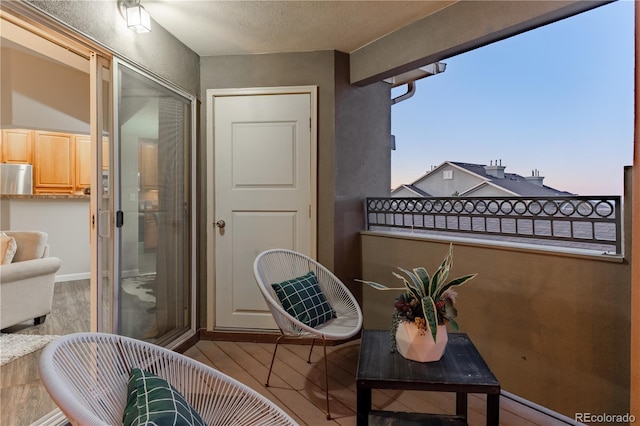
point(326, 376)
point(273, 359)
point(313, 342)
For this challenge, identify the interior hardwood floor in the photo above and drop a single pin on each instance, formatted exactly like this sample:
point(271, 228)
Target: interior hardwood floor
point(296, 386)
point(23, 397)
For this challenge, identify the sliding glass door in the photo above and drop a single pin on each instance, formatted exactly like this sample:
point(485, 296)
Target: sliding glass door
point(152, 183)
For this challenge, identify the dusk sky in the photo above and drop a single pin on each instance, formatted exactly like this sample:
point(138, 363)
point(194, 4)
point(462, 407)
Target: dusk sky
point(558, 99)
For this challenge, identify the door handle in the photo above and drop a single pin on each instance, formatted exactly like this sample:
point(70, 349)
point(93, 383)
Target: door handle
point(220, 224)
point(104, 224)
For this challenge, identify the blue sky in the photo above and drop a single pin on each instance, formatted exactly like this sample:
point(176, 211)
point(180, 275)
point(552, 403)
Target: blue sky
point(558, 99)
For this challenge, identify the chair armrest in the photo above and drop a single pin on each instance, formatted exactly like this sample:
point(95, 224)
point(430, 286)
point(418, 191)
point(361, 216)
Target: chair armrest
point(29, 269)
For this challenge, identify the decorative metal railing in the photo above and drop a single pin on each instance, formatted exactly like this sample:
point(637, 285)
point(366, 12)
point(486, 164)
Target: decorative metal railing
point(578, 221)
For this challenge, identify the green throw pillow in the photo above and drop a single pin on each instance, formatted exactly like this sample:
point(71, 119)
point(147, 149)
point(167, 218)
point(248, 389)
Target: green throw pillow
point(153, 401)
point(303, 299)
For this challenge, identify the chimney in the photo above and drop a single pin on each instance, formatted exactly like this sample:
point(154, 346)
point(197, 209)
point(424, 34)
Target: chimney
point(496, 171)
point(535, 178)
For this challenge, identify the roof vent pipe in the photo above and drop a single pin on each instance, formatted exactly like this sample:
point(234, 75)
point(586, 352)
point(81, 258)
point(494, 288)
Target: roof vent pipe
point(411, 90)
point(535, 178)
point(496, 171)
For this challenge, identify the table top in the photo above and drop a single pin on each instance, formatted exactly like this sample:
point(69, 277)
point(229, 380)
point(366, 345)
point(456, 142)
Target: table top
point(461, 368)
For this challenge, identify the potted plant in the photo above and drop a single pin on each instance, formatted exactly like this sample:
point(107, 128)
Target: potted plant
point(423, 310)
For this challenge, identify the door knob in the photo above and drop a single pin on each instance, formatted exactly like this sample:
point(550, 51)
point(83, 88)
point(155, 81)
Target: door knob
point(220, 224)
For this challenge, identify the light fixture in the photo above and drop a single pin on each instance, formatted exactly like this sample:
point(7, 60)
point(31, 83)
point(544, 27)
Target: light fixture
point(138, 19)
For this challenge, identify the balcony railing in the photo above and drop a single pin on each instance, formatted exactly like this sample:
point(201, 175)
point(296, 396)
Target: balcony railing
point(588, 222)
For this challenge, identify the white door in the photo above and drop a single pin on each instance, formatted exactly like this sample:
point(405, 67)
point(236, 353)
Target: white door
point(264, 192)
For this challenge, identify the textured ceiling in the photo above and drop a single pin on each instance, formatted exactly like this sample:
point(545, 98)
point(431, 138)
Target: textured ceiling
point(212, 27)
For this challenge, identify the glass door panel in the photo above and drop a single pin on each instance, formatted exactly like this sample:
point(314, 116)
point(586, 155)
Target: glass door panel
point(100, 196)
point(153, 222)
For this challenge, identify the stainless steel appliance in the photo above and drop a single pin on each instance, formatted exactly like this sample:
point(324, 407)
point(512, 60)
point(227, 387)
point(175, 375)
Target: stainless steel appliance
point(16, 179)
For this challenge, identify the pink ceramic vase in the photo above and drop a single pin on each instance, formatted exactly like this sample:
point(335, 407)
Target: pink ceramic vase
point(417, 345)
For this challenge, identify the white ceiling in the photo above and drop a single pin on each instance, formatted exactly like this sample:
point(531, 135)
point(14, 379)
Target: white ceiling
point(222, 27)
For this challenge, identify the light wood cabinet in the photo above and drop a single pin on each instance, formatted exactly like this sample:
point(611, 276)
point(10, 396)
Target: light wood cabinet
point(150, 231)
point(54, 163)
point(61, 161)
point(105, 153)
point(148, 164)
point(16, 146)
point(83, 162)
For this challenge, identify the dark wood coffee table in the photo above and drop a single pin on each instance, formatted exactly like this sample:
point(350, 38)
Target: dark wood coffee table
point(461, 370)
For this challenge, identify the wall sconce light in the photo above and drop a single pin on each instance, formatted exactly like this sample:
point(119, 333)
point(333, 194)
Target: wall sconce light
point(138, 19)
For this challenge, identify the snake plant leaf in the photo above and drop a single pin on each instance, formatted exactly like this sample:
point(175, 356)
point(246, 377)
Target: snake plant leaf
point(414, 286)
point(458, 281)
point(430, 315)
point(379, 286)
point(423, 274)
point(409, 289)
point(443, 272)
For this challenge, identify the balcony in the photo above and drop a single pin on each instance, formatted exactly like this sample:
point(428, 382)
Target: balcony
point(553, 326)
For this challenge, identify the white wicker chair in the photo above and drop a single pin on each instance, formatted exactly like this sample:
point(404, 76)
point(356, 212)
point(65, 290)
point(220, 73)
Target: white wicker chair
point(278, 265)
point(86, 375)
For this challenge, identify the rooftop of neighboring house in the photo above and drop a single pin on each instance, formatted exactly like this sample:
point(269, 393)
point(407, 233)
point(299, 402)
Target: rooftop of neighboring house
point(494, 174)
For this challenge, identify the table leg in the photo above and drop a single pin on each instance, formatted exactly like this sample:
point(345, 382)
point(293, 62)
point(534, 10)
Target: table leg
point(461, 404)
point(493, 409)
point(363, 406)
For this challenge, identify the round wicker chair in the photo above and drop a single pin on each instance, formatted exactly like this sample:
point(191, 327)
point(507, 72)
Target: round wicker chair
point(278, 265)
point(86, 375)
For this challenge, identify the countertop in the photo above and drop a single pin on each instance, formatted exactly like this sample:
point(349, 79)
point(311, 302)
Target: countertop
point(43, 197)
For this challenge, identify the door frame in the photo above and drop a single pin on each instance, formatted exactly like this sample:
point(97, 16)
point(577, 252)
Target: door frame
point(116, 198)
point(312, 91)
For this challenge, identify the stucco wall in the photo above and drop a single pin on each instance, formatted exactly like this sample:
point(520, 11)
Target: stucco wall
point(554, 328)
point(157, 51)
point(362, 165)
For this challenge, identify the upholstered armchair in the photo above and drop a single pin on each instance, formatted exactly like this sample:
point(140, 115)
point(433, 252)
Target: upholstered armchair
point(27, 277)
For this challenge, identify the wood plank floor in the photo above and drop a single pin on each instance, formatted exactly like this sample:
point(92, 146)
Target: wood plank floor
point(296, 386)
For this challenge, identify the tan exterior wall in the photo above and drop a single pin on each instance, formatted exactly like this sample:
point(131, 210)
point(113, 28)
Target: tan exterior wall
point(554, 328)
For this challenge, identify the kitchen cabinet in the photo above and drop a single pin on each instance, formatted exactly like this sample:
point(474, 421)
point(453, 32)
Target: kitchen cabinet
point(17, 146)
point(61, 161)
point(148, 164)
point(150, 231)
point(54, 163)
point(105, 153)
point(83, 162)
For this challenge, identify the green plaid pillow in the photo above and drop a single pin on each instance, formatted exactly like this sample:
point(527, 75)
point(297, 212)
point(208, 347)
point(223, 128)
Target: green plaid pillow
point(153, 401)
point(303, 299)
